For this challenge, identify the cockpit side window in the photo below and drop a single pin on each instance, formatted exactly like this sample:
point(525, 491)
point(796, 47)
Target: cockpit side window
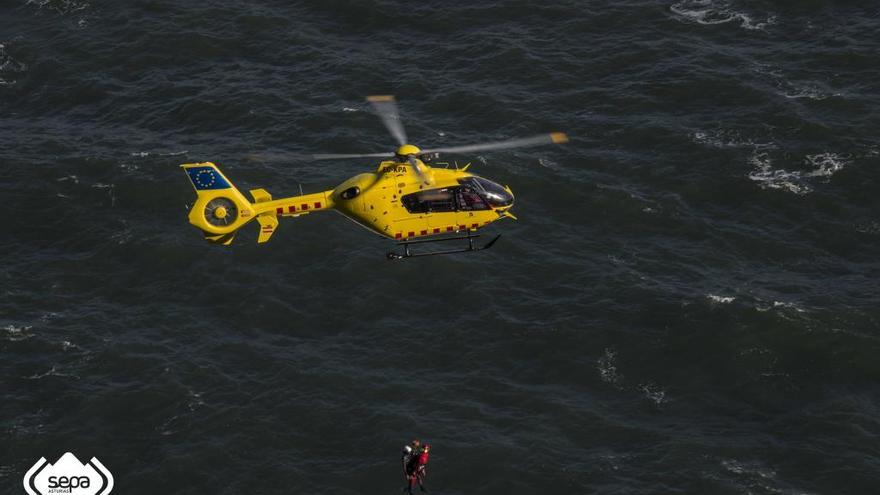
point(490, 192)
point(469, 200)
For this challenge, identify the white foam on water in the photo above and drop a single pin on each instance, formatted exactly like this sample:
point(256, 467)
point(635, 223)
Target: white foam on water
point(52, 372)
point(872, 228)
point(15, 334)
point(738, 467)
point(824, 165)
point(780, 306)
point(789, 305)
point(59, 6)
point(809, 91)
point(143, 154)
point(721, 299)
point(349, 109)
point(71, 178)
point(50, 316)
point(195, 400)
point(123, 236)
point(769, 178)
point(607, 367)
point(9, 66)
point(713, 12)
point(653, 392)
point(547, 163)
point(727, 138)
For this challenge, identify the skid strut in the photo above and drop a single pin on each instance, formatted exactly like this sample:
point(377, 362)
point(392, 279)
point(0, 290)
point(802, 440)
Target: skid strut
point(471, 247)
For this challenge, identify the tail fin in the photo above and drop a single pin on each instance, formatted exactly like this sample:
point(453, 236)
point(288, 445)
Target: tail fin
point(220, 209)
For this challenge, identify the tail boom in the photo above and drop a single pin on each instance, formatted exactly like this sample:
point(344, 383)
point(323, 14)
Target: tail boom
point(221, 209)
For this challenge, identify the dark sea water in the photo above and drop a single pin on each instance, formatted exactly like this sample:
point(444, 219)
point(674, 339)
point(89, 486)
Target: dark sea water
point(689, 302)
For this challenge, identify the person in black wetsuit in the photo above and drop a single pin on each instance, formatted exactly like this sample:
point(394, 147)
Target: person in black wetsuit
point(409, 453)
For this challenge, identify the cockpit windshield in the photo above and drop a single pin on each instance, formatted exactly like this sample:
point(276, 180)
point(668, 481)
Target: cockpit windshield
point(493, 193)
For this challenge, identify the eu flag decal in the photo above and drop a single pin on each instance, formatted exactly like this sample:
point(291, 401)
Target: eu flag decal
point(206, 178)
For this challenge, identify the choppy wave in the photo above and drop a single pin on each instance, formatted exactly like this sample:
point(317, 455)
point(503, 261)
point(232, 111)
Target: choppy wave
point(60, 6)
point(728, 138)
point(721, 299)
point(608, 372)
point(14, 333)
point(823, 165)
point(607, 367)
point(711, 12)
point(9, 67)
point(793, 88)
point(810, 91)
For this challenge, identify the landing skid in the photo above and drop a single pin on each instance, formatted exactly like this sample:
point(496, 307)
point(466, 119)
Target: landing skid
point(470, 247)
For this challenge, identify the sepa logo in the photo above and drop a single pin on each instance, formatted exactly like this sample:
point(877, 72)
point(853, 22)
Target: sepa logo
point(68, 475)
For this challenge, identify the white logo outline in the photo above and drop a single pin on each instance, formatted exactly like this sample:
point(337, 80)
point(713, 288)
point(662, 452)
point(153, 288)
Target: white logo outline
point(68, 464)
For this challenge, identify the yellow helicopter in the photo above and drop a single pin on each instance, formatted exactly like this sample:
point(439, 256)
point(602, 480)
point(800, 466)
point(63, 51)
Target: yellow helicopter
point(405, 199)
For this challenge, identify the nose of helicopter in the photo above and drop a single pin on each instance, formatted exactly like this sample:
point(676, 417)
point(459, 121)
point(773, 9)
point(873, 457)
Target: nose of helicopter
point(497, 195)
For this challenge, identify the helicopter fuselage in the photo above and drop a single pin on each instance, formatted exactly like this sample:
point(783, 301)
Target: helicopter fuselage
point(393, 202)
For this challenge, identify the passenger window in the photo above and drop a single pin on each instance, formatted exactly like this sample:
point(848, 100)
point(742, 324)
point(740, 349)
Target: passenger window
point(430, 201)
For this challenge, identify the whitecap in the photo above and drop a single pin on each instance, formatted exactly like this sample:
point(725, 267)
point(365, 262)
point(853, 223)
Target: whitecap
point(810, 91)
point(71, 178)
point(195, 400)
point(721, 299)
point(607, 367)
point(727, 138)
point(547, 163)
point(769, 178)
point(789, 305)
point(51, 372)
point(712, 12)
point(143, 154)
point(60, 6)
point(653, 392)
point(825, 164)
point(9, 66)
point(738, 467)
point(14, 334)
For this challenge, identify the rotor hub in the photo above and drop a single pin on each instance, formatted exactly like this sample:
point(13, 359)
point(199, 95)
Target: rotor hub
point(220, 212)
point(408, 149)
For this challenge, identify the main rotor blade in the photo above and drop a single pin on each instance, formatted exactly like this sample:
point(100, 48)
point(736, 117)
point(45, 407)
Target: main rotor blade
point(386, 108)
point(417, 168)
point(357, 155)
point(552, 138)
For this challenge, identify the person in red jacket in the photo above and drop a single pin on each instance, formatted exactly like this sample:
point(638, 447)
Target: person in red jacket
point(421, 469)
